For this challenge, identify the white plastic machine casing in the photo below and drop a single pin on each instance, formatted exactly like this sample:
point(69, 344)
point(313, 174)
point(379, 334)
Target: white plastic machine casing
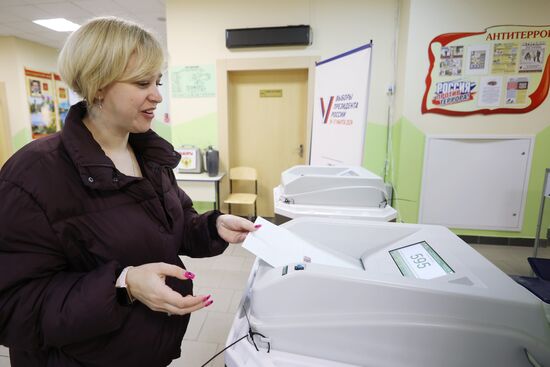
point(369, 314)
point(338, 192)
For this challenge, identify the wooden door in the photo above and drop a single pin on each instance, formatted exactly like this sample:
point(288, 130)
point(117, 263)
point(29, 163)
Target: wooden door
point(267, 126)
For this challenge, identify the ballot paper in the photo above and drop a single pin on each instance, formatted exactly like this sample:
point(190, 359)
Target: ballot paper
point(278, 246)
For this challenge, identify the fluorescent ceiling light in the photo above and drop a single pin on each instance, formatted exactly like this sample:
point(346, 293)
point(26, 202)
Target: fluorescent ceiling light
point(57, 24)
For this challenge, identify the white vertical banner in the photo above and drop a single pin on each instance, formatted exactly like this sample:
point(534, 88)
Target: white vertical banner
point(340, 108)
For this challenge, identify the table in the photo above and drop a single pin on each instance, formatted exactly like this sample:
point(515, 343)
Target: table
point(200, 186)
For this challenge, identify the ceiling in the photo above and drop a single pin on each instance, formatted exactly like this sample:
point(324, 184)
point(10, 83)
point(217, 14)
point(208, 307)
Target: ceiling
point(16, 16)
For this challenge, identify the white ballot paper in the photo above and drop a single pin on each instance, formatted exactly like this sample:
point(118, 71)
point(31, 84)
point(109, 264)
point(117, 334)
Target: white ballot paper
point(279, 247)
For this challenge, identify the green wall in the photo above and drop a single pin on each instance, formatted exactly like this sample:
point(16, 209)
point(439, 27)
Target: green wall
point(164, 130)
point(200, 132)
point(21, 138)
point(540, 161)
point(374, 156)
point(406, 176)
point(407, 157)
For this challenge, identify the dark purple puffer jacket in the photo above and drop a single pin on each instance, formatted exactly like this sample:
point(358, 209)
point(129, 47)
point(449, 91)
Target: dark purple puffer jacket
point(69, 222)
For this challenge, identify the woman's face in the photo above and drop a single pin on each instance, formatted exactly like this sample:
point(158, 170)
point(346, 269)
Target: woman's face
point(130, 106)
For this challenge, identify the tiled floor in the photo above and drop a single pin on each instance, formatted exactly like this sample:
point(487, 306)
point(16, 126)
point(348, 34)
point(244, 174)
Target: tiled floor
point(225, 276)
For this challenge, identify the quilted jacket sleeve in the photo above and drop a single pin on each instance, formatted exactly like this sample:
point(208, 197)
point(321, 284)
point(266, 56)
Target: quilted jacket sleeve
point(200, 237)
point(41, 303)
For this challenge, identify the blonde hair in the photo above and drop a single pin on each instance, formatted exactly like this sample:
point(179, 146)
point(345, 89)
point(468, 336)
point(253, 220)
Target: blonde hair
point(97, 55)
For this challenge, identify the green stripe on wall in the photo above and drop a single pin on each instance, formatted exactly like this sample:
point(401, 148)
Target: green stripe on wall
point(374, 155)
point(22, 138)
point(164, 130)
point(406, 169)
point(203, 206)
point(200, 132)
point(406, 176)
point(539, 163)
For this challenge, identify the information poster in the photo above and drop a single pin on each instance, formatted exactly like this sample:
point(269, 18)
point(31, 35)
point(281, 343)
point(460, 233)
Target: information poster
point(41, 99)
point(193, 81)
point(340, 108)
point(63, 103)
point(503, 69)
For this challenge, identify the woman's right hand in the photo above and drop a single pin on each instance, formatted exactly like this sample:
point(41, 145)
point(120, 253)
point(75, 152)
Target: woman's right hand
point(146, 283)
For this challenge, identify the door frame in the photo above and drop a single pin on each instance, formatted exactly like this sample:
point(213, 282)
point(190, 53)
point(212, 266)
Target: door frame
point(224, 67)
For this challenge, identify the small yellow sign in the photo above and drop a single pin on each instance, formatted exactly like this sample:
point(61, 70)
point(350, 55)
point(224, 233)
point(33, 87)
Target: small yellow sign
point(271, 93)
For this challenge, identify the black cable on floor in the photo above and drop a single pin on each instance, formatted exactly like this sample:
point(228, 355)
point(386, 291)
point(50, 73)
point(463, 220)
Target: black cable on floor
point(250, 334)
point(223, 350)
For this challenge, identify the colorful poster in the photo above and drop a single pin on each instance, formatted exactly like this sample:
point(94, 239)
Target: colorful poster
point(451, 60)
point(478, 59)
point(532, 56)
point(63, 103)
point(516, 90)
point(41, 99)
point(453, 91)
point(505, 57)
point(484, 72)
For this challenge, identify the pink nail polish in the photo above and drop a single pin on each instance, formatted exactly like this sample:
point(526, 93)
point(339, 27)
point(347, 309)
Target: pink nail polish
point(257, 225)
point(204, 299)
point(209, 303)
point(189, 275)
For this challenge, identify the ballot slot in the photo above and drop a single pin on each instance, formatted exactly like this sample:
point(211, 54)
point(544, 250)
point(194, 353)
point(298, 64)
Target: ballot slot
point(279, 247)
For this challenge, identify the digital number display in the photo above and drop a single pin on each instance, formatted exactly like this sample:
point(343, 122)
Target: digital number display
point(419, 260)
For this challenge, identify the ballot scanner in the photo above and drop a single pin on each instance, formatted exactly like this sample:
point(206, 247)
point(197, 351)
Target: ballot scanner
point(328, 191)
point(348, 293)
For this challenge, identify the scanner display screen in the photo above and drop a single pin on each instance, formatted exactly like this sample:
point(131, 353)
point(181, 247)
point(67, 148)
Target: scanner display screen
point(420, 261)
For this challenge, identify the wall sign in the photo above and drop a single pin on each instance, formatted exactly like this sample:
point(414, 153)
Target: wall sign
point(193, 81)
point(48, 99)
point(503, 69)
point(340, 108)
point(268, 93)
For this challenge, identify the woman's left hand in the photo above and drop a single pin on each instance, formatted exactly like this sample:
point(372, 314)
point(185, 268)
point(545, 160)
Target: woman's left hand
point(234, 229)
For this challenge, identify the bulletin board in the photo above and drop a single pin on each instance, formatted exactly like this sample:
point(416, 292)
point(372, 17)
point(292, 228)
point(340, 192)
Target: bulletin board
point(48, 99)
point(503, 69)
point(41, 100)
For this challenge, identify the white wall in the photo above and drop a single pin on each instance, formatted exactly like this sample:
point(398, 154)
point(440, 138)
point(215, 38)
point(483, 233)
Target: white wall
point(196, 36)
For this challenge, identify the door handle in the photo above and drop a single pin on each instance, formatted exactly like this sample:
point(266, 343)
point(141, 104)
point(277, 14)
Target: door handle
point(301, 150)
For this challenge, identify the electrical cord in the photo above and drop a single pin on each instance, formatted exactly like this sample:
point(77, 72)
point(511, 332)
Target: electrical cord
point(250, 335)
point(223, 350)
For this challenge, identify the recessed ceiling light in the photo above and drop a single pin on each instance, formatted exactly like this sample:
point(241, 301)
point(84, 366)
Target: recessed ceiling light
point(57, 24)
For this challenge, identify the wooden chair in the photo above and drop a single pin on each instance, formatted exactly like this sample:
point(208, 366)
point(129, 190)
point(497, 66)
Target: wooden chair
point(242, 198)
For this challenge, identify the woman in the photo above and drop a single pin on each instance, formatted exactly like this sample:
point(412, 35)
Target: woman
point(92, 220)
